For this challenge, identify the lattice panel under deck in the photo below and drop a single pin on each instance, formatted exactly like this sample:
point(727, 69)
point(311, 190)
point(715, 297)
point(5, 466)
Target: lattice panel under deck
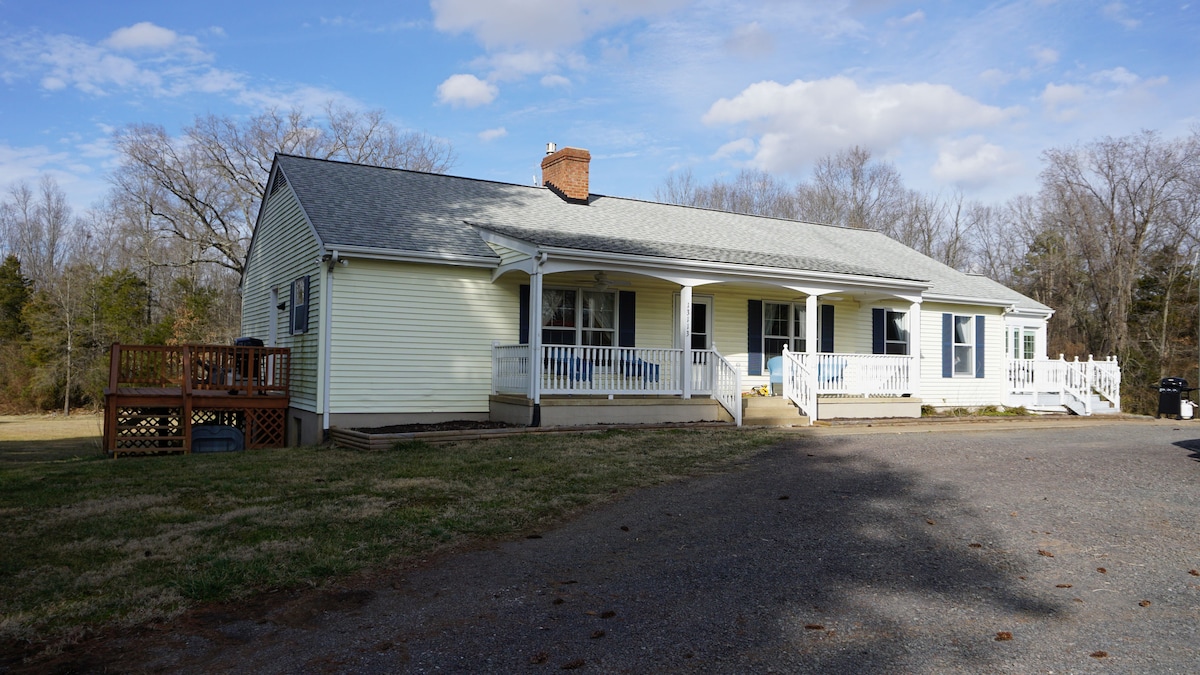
point(266, 427)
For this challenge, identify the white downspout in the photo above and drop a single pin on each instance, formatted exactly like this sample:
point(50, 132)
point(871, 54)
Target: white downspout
point(327, 329)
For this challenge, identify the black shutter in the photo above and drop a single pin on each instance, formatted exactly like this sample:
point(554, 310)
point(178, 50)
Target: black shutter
point(754, 321)
point(979, 340)
point(947, 345)
point(524, 314)
point(878, 330)
point(626, 319)
point(826, 329)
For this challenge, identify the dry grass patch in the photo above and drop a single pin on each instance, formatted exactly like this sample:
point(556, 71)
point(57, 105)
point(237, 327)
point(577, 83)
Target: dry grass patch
point(93, 543)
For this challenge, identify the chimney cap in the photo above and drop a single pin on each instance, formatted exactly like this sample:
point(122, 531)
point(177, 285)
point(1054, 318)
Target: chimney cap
point(551, 148)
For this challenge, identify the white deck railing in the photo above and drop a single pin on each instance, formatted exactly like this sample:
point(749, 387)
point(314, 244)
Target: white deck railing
point(1072, 381)
point(860, 374)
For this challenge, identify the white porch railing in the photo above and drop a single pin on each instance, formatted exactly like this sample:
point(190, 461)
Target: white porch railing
point(612, 371)
point(800, 384)
point(1072, 381)
point(860, 374)
point(510, 369)
point(726, 384)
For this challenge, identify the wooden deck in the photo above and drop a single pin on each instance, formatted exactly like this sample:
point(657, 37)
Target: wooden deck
point(156, 395)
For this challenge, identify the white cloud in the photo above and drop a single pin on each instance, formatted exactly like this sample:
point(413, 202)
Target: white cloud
point(509, 66)
point(742, 146)
point(143, 58)
point(488, 135)
point(799, 122)
point(1118, 76)
point(751, 41)
point(995, 77)
point(916, 17)
point(144, 35)
point(1060, 101)
point(543, 24)
point(973, 162)
point(466, 90)
point(1044, 56)
point(1116, 11)
point(555, 81)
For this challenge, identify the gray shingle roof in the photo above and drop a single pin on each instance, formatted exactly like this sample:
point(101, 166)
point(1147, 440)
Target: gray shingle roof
point(408, 211)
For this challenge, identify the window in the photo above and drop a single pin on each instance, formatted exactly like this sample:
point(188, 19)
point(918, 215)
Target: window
point(964, 345)
point(895, 333)
point(1023, 343)
point(783, 325)
point(298, 306)
point(579, 317)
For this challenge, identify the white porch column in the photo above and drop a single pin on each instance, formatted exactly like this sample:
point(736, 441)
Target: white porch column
point(535, 336)
point(685, 334)
point(914, 348)
point(812, 340)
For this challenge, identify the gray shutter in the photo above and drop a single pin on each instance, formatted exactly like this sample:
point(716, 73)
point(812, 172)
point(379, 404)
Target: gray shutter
point(980, 334)
point(947, 345)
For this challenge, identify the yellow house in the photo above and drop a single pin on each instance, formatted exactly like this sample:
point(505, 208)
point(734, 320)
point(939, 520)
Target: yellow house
point(409, 297)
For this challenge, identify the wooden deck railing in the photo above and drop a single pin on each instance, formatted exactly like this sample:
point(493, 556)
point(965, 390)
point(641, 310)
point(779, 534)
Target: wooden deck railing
point(188, 368)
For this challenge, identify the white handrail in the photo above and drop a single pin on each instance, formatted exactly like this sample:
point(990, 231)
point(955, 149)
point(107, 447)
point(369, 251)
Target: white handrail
point(800, 383)
point(726, 384)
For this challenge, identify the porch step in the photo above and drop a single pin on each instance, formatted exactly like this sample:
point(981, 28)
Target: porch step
point(771, 411)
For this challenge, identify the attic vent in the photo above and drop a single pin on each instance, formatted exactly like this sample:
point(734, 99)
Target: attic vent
point(279, 184)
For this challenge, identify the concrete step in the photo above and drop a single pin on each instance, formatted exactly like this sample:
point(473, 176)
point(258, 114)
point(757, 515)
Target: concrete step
point(771, 411)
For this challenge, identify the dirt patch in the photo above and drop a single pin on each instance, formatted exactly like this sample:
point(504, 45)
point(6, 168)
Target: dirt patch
point(453, 425)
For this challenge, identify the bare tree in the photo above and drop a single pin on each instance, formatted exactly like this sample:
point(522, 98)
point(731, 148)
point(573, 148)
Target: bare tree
point(204, 188)
point(1115, 198)
point(851, 189)
point(37, 226)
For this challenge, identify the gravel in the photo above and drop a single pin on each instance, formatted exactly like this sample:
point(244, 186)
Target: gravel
point(1010, 548)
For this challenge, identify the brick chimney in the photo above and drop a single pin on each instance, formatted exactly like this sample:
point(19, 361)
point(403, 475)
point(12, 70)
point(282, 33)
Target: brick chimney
point(566, 173)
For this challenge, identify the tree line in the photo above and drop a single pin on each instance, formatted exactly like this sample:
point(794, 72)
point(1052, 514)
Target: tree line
point(1109, 240)
point(160, 259)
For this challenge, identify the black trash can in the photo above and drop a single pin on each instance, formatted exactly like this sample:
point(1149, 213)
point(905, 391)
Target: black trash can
point(1171, 391)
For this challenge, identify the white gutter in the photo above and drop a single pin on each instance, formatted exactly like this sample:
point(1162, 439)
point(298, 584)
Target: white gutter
point(374, 253)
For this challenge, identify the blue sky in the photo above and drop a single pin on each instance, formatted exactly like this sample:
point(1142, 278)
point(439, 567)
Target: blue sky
point(958, 95)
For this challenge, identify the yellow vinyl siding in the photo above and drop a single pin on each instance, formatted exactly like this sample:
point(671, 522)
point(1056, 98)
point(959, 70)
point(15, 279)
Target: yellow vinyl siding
point(413, 338)
point(962, 391)
point(284, 250)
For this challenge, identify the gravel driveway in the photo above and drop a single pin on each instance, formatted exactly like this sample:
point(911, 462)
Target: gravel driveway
point(1012, 548)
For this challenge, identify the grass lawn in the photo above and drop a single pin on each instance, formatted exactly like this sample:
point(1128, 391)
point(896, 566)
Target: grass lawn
point(91, 542)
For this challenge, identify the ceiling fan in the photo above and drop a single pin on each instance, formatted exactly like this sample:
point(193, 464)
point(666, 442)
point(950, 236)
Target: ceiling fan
point(603, 283)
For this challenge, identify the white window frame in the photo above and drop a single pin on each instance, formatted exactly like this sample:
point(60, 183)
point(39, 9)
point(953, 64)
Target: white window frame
point(797, 323)
point(1022, 343)
point(907, 333)
point(579, 328)
point(968, 345)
